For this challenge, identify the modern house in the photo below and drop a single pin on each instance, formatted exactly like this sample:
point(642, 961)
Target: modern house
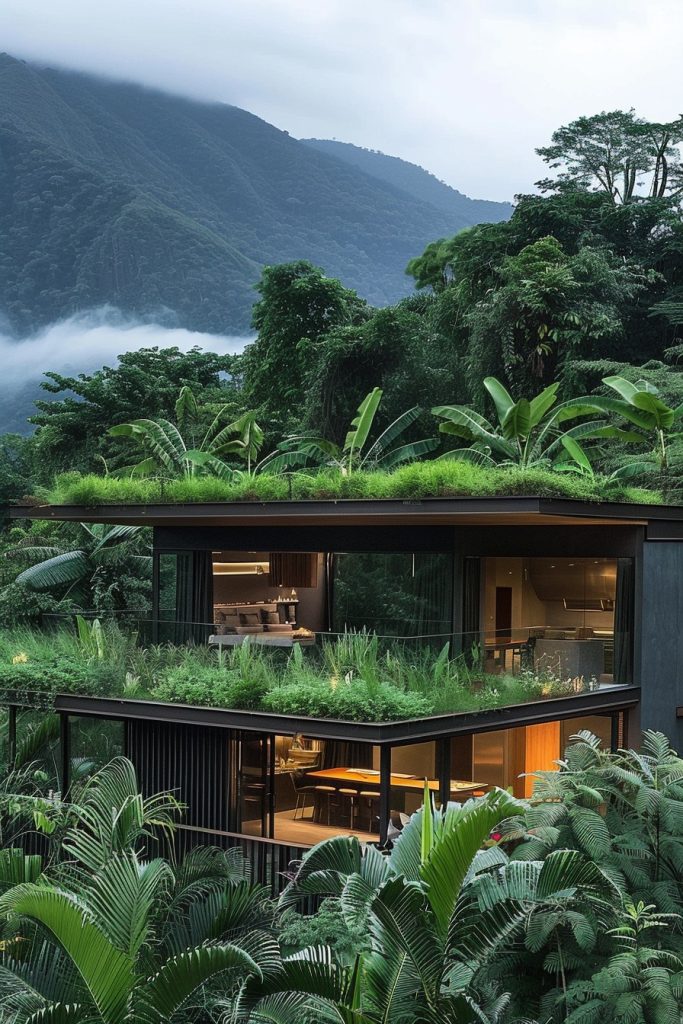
point(589, 593)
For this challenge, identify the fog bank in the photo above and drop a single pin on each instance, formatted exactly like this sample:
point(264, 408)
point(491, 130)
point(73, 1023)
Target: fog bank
point(84, 342)
point(81, 344)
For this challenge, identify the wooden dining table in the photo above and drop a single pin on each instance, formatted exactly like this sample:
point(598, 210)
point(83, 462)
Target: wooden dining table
point(361, 779)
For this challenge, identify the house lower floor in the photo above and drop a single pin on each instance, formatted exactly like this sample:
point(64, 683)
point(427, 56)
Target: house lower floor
point(298, 786)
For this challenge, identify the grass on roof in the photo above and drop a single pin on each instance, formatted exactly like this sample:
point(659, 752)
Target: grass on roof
point(439, 479)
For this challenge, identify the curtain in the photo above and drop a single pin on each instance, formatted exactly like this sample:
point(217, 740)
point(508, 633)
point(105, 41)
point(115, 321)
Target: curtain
point(624, 615)
point(471, 604)
point(194, 597)
point(342, 754)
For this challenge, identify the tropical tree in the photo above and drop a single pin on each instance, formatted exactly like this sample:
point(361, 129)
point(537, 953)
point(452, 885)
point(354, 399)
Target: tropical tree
point(298, 305)
point(357, 453)
point(529, 433)
point(616, 153)
point(117, 938)
point(74, 416)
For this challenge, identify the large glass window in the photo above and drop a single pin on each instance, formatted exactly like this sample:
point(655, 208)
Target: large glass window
point(400, 594)
point(564, 618)
point(324, 788)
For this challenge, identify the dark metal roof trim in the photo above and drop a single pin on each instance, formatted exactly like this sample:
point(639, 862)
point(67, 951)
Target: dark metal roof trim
point(409, 731)
point(408, 508)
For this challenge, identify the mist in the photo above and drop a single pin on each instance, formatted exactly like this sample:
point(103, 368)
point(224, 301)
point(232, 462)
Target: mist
point(81, 344)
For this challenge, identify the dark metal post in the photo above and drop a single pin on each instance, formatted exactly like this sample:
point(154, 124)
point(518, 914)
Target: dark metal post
point(271, 787)
point(384, 792)
point(65, 744)
point(155, 596)
point(614, 733)
point(443, 770)
point(12, 733)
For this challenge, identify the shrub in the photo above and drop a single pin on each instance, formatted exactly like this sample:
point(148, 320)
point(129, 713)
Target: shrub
point(355, 701)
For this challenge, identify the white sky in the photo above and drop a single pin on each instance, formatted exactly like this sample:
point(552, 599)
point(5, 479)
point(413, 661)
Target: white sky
point(467, 88)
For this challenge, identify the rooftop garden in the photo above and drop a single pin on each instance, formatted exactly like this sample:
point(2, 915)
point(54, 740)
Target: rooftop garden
point(539, 446)
point(436, 479)
point(352, 676)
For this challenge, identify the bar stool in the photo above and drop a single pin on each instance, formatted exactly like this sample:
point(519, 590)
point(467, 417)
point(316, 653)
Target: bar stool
point(350, 795)
point(371, 797)
point(321, 793)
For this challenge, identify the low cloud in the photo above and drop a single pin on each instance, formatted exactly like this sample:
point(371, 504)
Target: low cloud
point(81, 344)
point(84, 342)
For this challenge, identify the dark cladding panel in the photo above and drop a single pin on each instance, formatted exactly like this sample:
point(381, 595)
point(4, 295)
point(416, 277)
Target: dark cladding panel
point(190, 761)
point(304, 538)
point(661, 641)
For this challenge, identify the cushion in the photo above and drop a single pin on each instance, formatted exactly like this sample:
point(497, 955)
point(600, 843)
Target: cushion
point(250, 619)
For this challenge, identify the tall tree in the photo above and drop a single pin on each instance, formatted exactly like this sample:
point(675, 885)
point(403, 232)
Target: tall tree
point(299, 305)
point(617, 153)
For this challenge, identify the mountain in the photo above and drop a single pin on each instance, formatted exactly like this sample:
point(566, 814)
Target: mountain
point(167, 208)
point(416, 181)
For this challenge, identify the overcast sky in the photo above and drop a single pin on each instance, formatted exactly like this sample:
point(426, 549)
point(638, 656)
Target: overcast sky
point(467, 88)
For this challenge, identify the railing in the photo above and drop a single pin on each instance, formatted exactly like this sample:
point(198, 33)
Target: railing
point(272, 863)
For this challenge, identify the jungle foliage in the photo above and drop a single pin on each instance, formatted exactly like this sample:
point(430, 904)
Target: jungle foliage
point(563, 908)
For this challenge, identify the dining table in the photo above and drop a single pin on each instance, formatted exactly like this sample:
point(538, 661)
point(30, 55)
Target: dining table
point(369, 778)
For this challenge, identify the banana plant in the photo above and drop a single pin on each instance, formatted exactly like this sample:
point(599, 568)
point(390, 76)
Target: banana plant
point(529, 433)
point(184, 448)
point(652, 422)
point(357, 452)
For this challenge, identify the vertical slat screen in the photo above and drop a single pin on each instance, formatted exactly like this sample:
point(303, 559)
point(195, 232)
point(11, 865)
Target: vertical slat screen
point(192, 763)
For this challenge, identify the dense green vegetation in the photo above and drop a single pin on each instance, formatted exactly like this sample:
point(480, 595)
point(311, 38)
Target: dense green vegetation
point(420, 480)
point(351, 676)
point(563, 908)
point(169, 208)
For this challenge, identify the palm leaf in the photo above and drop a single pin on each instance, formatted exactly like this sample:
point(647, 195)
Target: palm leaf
point(60, 571)
point(463, 832)
point(179, 978)
point(122, 895)
point(106, 971)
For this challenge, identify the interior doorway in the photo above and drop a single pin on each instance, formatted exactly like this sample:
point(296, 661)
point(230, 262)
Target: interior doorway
point(503, 615)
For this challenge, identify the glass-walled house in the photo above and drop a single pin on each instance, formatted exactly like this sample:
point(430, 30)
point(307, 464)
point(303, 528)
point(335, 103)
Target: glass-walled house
point(578, 601)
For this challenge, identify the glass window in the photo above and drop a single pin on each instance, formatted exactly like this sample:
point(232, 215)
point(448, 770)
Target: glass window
point(94, 742)
point(399, 594)
point(324, 788)
point(569, 619)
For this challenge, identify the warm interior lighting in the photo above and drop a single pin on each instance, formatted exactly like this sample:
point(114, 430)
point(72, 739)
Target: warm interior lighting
point(241, 568)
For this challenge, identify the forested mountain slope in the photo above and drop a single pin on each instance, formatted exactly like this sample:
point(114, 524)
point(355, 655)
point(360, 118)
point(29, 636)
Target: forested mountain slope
point(163, 206)
point(416, 181)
